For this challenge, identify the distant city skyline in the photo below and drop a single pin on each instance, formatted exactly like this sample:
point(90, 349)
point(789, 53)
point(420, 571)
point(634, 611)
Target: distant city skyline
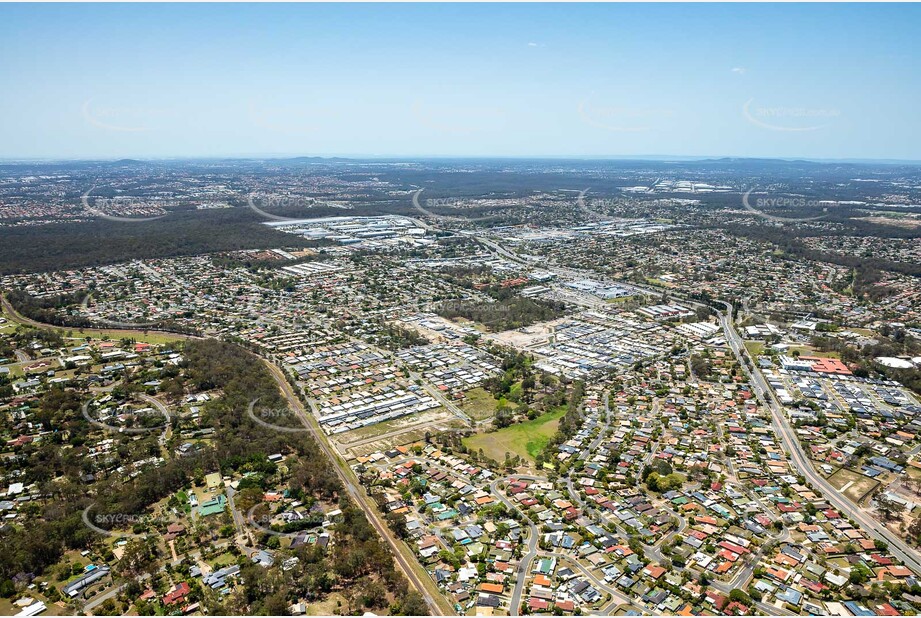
point(790, 81)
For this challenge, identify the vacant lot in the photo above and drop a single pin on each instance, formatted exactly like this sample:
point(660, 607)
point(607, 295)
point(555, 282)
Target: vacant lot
point(330, 606)
point(807, 350)
point(152, 337)
point(479, 404)
point(757, 348)
point(394, 432)
point(504, 314)
point(855, 486)
point(523, 439)
point(897, 221)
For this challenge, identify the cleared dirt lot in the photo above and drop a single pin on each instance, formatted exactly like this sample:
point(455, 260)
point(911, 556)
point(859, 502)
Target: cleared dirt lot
point(853, 485)
point(529, 336)
point(395, 432)
point(478, 404)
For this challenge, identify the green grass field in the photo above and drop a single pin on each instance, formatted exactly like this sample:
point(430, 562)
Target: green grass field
point(479, 404)
point(756, 348)
point(151, 337)
point(524, 439)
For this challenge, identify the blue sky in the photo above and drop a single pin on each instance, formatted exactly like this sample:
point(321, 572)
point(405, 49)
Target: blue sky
point(751, 80)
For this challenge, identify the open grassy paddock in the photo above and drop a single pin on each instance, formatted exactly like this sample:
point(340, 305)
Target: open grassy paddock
point(523, 439)
point(478, 404)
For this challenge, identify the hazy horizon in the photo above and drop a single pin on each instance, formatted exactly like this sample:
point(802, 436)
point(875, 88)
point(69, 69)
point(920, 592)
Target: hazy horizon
point(436, 157)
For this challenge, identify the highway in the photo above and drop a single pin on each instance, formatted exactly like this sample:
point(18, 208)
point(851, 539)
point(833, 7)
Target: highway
point(908, 555)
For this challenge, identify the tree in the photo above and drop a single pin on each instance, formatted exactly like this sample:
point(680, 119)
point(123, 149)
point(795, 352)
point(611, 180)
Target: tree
point(888, 507)
point(859, 574)
point(397, 523)
point(503, 417)
point(108, 608)
point(740, 596)
point(373, 594)
point(139, 557)
point(914, 529)
point(662, 484)
point(412, 605)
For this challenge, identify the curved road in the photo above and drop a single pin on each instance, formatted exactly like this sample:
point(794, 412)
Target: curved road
point(118, 332)
point(524, 564)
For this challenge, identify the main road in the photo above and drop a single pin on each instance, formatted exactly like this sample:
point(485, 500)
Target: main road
point(763, 392)
point(791, 443)
point(409, 565)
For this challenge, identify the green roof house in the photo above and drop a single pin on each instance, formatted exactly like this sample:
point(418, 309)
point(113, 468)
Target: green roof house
point(213, 506)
